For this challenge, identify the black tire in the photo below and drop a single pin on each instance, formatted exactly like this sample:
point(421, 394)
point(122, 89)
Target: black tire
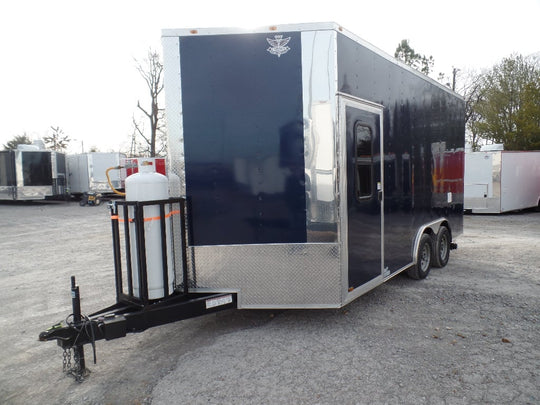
point(441, 252)
point(423, 263)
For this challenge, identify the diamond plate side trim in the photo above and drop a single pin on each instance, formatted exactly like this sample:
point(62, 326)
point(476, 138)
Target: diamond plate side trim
point(285, 276)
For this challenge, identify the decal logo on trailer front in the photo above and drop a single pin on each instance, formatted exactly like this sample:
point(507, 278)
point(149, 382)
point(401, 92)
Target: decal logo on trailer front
point(219, 301)
point(278, 45)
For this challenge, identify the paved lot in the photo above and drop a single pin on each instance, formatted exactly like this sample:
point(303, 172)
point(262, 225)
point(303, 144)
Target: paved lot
point(469, 333)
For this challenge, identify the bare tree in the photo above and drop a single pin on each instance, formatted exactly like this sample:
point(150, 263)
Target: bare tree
point(468, 84)
point(472, 93)
point(151, 70)
point(57, 141)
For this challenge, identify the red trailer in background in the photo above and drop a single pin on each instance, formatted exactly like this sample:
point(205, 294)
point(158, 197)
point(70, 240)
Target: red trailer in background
point(131, 166)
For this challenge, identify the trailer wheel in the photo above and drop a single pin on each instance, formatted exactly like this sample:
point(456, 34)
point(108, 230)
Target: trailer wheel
point(423, 263)
point(441, 253)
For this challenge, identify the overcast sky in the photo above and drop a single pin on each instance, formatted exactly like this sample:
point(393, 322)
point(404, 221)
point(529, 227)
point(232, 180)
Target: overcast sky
point(71, 63)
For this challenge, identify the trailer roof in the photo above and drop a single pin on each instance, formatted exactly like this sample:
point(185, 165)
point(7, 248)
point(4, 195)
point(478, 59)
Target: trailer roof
point(318, 26)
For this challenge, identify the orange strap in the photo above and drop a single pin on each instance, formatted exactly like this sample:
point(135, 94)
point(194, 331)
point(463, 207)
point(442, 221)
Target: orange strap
point(147, 219)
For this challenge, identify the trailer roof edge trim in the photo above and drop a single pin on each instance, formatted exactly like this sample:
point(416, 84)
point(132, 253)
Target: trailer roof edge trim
point(176, 32)
point(317, 26)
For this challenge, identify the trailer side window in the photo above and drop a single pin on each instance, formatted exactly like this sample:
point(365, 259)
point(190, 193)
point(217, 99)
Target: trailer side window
point(363, 160)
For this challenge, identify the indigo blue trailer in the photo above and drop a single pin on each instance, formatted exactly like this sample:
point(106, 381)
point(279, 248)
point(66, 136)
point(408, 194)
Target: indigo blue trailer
point(306, 168)
point(314, 163)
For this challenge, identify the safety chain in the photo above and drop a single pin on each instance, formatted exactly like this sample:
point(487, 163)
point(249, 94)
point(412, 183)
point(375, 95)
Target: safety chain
point(66, 364)
point(75, 370)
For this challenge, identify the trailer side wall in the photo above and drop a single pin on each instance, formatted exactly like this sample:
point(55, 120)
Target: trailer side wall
point(520, 180)
point(423, 145)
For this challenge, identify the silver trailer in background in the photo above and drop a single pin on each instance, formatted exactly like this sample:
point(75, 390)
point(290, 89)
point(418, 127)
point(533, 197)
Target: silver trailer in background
point(31, 173)
point(501, 181)
point(87, 172)
point(59, 174)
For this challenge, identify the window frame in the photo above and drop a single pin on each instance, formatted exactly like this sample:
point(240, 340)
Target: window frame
point(362, 161)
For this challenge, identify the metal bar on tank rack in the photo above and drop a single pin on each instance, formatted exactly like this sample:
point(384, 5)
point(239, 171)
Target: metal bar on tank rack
point(127, 241)
point(164, 262)
point(141, 253)
point(116, 250)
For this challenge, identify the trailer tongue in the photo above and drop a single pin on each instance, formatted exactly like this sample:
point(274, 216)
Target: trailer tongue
point(122, 318)
point(134, 311)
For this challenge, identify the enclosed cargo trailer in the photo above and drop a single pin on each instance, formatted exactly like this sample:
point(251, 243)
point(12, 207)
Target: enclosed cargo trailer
point(313, 167)
point(30, 173)
point(87, 172)
point(313, 162)
point(501, 181)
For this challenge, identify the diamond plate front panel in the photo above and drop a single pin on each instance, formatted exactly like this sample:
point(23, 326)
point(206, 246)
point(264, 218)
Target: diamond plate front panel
point(277, 276)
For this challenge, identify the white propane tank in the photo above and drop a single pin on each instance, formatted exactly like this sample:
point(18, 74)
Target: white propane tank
point(147, 185)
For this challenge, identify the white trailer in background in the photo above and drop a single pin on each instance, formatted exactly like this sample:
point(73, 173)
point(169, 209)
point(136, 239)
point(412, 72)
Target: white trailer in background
point(32, 173)
point(501, 181)
point(87, 172)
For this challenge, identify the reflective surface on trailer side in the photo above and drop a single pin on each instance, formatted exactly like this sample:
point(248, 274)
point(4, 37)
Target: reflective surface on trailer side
point(319, 83)
point(361, 127)
point(417, 116)
point(173, 101)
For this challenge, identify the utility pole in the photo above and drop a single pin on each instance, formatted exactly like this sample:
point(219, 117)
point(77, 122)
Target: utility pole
point(454, 73)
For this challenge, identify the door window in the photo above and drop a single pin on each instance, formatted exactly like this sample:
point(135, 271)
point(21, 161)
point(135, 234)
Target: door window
point(363, 161)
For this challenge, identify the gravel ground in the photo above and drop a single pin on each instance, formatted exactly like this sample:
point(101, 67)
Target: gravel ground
point(468, 334)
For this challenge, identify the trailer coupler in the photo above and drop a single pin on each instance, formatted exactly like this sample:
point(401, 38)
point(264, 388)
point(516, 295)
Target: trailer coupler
point(122, 318)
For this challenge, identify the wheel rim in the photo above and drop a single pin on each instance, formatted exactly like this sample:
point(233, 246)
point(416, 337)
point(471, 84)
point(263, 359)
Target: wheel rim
point(443, 249)
point(425, 258)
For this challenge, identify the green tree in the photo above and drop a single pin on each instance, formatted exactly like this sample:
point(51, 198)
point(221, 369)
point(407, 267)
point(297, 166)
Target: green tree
point(57, 141)
point(507, 109)
point(408, 55)
point(18, 140)
point(528, 117)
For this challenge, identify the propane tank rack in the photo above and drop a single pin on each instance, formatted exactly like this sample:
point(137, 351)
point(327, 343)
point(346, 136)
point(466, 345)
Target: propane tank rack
point(134, 310)
point(132, 215)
